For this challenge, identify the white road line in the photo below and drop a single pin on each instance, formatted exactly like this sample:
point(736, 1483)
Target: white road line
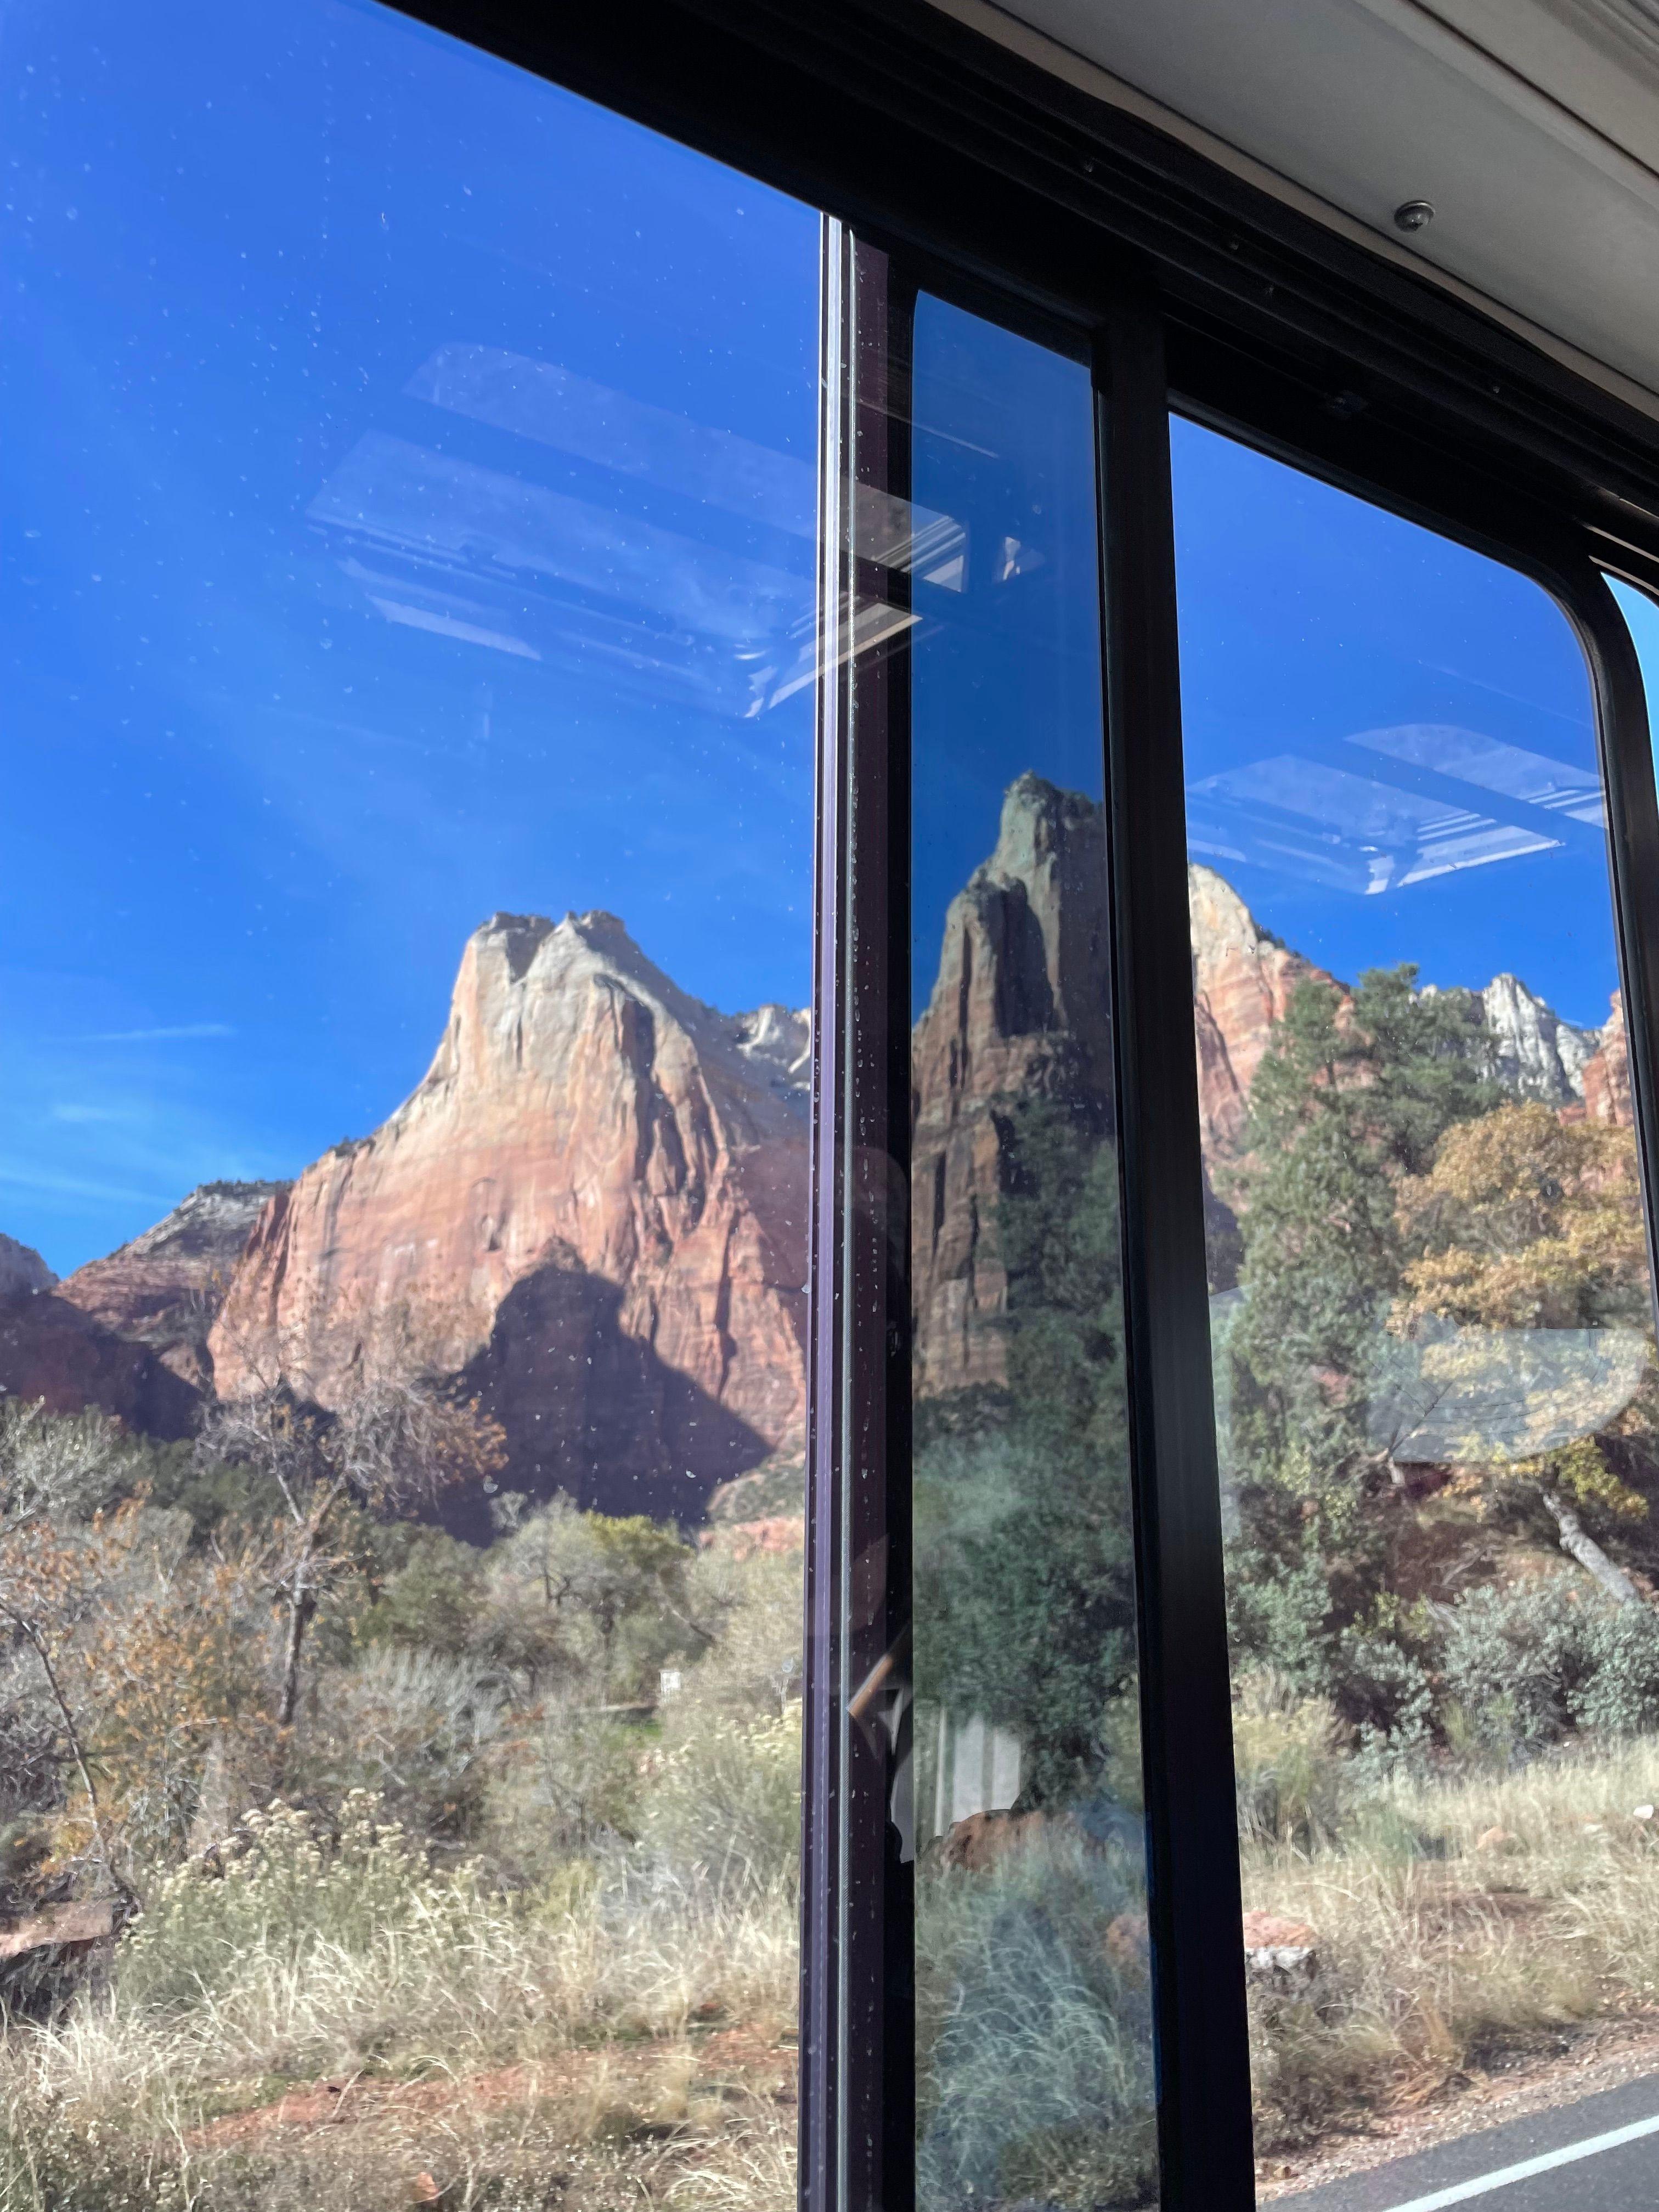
point(1529, 2167)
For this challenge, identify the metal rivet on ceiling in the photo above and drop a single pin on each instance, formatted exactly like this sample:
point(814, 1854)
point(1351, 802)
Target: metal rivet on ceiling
point(1413, 215)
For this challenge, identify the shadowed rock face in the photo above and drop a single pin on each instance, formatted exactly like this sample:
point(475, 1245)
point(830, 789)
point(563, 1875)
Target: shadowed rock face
point(22, 1271)
point(51, 1352)
point(1607, 1088)
point(54, 1354)
point(1021, 1007)
point(590, 1409)
point(594, 1207)
point(165, 1289)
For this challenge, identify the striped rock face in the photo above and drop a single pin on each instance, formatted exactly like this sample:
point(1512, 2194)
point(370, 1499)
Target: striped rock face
point(593, 1209)
point(165, 1289)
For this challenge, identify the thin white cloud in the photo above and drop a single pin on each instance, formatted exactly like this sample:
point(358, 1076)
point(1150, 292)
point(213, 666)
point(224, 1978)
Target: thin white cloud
point(50, 1182)
point(184, 1031)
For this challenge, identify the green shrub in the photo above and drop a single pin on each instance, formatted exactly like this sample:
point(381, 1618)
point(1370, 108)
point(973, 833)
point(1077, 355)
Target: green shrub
point(432, 1598)
point(414, 1728)
point(1621, 1695)
point(1278, 1617)
point(1034, 2030)
point(1385, 1691)
point(1287, 1762)
point(1518, 1665)
point(726, 1799)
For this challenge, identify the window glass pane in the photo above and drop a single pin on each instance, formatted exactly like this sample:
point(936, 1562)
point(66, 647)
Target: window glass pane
point(1033, 2012)
point(408, 511)
point(1431, 1336)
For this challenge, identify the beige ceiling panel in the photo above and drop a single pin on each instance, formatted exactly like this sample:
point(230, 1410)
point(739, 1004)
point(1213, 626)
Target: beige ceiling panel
point(1532, 125)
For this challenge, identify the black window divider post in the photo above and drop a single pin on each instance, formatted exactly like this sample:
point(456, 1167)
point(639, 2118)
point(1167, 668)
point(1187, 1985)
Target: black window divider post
point(1632, 822)
point(1205, 2141)
point(858, 1906)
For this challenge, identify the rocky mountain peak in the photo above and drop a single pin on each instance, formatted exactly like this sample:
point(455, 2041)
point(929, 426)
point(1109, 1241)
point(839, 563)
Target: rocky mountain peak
point(164, 1288)
point(776, 1041)
point(1039, 821)
point(517, 935)
point(1608, 1093)
point(592, 1207)
point(1020, 1006)
point(1535, 1052)
point(1223, 926)
point(1024, 950)
point(23, 1272)
point(1242, 980)
point(214, 1219)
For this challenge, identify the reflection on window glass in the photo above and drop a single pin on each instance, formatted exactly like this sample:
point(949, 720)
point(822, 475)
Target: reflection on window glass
point(1035, 2079)
point(1432, 1334)
point(407, 507)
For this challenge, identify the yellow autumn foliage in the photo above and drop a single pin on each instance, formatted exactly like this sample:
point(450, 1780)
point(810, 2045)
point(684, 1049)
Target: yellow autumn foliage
point(1527, 1221)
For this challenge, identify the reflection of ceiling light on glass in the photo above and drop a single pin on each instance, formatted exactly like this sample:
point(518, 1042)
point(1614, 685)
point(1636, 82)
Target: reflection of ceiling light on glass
point(443, 625)
point(1301, 817)
point(1489, 763)
point(490, 559)
point(668, 452)
point(873, 623)
point(1384, 808)
point(658, 591)
point(539, 400)
point(895, 534)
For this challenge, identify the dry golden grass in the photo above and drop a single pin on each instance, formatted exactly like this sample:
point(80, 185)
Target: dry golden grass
point(621, 2140)
point(1456, 1921)
point(578, 2051)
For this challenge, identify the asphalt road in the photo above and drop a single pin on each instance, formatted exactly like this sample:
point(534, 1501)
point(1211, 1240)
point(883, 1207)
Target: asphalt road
point(1600, 2154)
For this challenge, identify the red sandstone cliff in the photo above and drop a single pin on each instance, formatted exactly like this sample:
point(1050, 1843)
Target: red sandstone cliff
point(1242, 980)
point(1606, 1073)
point(1020, 1008)
point(592, 1208)
point(164, 1290)
point(54, 1354)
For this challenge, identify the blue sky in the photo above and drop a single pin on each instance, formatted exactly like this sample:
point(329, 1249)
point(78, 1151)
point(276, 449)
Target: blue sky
point(406, 513)
point(1007, 673)
point(1325, 645)
point(268, 761)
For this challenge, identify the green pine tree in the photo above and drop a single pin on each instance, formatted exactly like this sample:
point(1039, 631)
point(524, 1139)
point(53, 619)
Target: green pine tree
point(1352, 1096)
point(1025, 1578)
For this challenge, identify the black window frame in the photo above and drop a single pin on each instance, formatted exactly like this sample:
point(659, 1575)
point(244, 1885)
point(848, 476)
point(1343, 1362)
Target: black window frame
point(955, 164)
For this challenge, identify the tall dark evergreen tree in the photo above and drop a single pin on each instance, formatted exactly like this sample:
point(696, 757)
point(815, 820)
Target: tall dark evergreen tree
point(1025, 1576)
point(1353, 1095)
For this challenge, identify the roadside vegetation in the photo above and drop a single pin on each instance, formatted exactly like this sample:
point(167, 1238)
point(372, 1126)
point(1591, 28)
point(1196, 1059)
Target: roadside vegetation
point(345, 1865)
point(480, 1889)
point(1440, 1444)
